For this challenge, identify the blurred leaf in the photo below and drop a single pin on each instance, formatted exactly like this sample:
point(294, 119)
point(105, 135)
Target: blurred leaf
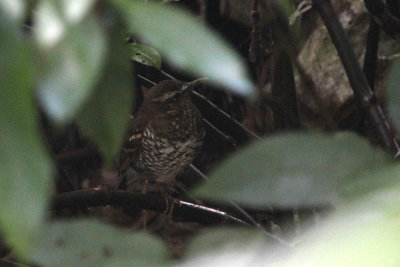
point(14, 9)
point(106, 115)
point(364, 233)
point(71, 59)
point(298, 169)
point(24, 166)
point(225, 247)
point(54, 18)
point(75, 10)
point(145, 54)
point(90, 243)
point(394, 94)
point(186, 43)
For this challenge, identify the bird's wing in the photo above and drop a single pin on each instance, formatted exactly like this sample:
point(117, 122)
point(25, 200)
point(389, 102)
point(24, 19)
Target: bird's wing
point(131, 148)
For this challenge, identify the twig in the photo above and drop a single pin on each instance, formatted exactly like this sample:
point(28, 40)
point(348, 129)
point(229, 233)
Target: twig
point(389, 23)
point(101, 197)
point(256, 49)
point(363, 93)
point(283, 86)
point(371, 53)
point(238, 131)
point(178, 208)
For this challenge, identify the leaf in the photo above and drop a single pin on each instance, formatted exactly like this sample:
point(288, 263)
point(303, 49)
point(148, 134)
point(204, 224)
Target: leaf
point(394, 94)
point(14, 9)
point(71, 59)
point(90, 243)
point(364, 233)
point(226, 246)
point(106, 115)
point(186, 43)
point(298, 169)
point(146, 55)
point(24, 165)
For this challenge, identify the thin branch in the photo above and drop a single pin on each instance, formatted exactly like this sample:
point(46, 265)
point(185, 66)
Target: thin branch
point(177, 208)
point(371, 54)
point(256, 49)
point(238, 131)
point(102, 197)
point(363, 93)
point(381, 14)
point(282, 77)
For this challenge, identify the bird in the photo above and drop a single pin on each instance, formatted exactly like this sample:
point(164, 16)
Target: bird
point(167, 133)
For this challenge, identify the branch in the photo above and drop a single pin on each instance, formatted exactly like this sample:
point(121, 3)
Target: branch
point(101, 197)
point(238, 131)
point(371, 54)
point(380, 13)
point(283, 86)
point(185, 210)
point(363, 93)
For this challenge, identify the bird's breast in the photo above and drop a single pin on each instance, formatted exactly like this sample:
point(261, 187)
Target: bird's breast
point(164, 158)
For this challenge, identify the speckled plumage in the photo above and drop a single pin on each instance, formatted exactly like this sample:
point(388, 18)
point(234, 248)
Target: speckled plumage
point(167, 134)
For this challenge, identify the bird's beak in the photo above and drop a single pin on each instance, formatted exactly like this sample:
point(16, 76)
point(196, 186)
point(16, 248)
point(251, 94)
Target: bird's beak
point(194, 84)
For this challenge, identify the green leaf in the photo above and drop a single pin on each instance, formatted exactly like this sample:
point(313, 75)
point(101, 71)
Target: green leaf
point(229, 247)
point(90, 243)
point(106, 115)
point(364, 233)
point(73, 47)
point(186, 43)
point(145, 54)
point(226, 246)
point(14, 9)
point(298, 169)
point(24, 165)
point(394, 94)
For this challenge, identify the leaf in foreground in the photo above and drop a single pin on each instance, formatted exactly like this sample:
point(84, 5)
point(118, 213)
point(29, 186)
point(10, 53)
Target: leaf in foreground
point(105, 116)
point(24, 165)
point(186, 43)
point(226, 247)
point(364, 233)
point(91, 243)
point(394, 94)
point(298, 169)
point(72, 53)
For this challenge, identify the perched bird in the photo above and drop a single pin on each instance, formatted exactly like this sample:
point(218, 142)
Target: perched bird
point(167, 134)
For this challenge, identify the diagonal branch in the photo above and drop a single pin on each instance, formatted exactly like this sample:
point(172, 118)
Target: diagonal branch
point(381, 14)
point(371, 53)
point(362, 91)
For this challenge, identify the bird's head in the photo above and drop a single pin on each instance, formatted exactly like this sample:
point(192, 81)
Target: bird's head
point(169, 92)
